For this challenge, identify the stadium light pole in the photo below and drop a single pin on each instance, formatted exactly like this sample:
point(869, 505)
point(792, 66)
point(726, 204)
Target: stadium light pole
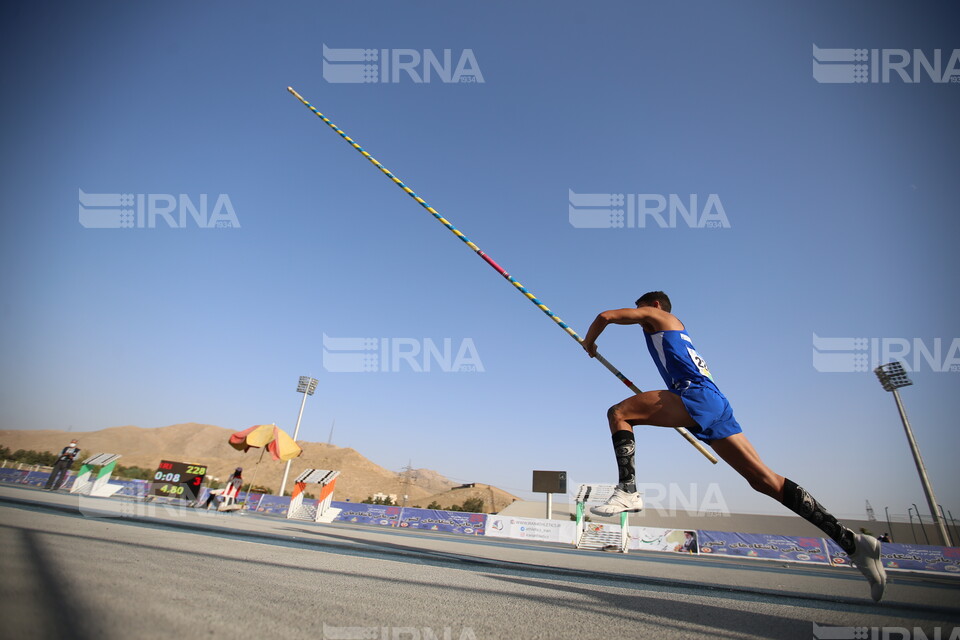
point(306, 386)
point(893, 377)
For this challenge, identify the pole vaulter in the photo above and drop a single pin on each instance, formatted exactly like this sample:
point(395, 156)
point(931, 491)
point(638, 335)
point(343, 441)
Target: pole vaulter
point(563, 325)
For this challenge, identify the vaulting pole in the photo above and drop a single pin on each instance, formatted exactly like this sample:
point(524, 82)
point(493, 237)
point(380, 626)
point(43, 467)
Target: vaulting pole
point(563, 325)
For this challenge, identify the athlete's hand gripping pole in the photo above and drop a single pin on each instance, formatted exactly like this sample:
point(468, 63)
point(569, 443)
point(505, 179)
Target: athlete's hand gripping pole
point(573, 334)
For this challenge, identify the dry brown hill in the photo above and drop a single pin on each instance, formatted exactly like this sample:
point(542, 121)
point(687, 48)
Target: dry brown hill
point(207, 444)
point(494, 500)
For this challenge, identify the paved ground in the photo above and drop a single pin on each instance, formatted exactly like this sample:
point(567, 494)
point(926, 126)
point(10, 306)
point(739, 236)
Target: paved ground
point(120, 569)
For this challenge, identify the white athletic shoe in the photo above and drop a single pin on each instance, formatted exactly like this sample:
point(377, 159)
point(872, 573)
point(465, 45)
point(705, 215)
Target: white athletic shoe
point(867, 558)
point(619, 502)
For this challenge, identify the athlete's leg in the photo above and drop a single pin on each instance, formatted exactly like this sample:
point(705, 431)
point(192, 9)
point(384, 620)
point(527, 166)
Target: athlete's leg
point(737, 451)
point(656, 408)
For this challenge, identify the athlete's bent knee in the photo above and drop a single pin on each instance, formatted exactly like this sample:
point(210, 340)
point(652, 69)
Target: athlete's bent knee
point(613, 413)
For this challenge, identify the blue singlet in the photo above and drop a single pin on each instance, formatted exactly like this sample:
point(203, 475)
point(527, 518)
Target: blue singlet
point(686, 374)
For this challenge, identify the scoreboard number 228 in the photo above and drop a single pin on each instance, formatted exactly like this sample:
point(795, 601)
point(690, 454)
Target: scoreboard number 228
point(178, 480)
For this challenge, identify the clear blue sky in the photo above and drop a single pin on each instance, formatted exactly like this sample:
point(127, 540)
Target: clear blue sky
point(841, 199)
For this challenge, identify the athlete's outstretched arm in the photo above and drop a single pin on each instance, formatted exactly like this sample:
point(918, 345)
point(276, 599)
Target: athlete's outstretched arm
point(613, 316)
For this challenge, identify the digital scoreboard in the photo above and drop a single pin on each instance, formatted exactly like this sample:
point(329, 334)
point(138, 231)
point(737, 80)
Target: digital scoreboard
point(178, 480)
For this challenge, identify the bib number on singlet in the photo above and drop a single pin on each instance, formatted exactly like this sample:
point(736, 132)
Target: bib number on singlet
point(699, 362)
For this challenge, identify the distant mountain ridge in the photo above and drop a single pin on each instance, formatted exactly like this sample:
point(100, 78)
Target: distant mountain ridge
point(207, 445)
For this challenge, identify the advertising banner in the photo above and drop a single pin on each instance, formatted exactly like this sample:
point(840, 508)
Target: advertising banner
point(378, 514)
point(531, 529)
point(760, 545)
point(471, 524)
point(31, 478)
point(266, 503)
point(655, 539)
point(908, 557)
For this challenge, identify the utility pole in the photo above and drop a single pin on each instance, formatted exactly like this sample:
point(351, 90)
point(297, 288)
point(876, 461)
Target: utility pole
point(406, 481)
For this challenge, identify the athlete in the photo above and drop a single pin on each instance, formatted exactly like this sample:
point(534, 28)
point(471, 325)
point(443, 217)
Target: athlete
point(692, 400)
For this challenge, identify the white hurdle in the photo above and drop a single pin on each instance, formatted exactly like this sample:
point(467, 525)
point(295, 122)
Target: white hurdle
point(323, 512)
point(99, 487)
point(602, 537)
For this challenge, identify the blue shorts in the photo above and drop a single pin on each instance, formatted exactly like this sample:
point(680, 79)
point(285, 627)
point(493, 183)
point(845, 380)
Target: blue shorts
point(711, 411)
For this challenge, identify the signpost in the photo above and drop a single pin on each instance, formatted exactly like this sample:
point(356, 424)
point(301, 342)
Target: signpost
point(549, 482)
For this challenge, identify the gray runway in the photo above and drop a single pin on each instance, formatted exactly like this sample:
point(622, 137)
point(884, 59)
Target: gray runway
point(109, 568)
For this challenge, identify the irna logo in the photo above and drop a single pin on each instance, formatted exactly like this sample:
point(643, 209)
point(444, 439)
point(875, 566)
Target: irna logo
point(143, 210)
point(883, 66)
point(356, 355)
point(398, 65)
point(645, 210)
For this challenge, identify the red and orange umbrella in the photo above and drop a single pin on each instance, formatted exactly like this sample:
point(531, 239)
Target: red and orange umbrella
point(271, 437)
point(268, 437)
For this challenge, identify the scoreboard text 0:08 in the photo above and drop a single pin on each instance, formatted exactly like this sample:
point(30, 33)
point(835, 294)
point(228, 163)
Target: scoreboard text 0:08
point(178, 480)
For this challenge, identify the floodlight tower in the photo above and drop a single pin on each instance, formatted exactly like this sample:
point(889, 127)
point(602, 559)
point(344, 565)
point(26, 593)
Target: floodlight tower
point(892, 377)
point(306, 386)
